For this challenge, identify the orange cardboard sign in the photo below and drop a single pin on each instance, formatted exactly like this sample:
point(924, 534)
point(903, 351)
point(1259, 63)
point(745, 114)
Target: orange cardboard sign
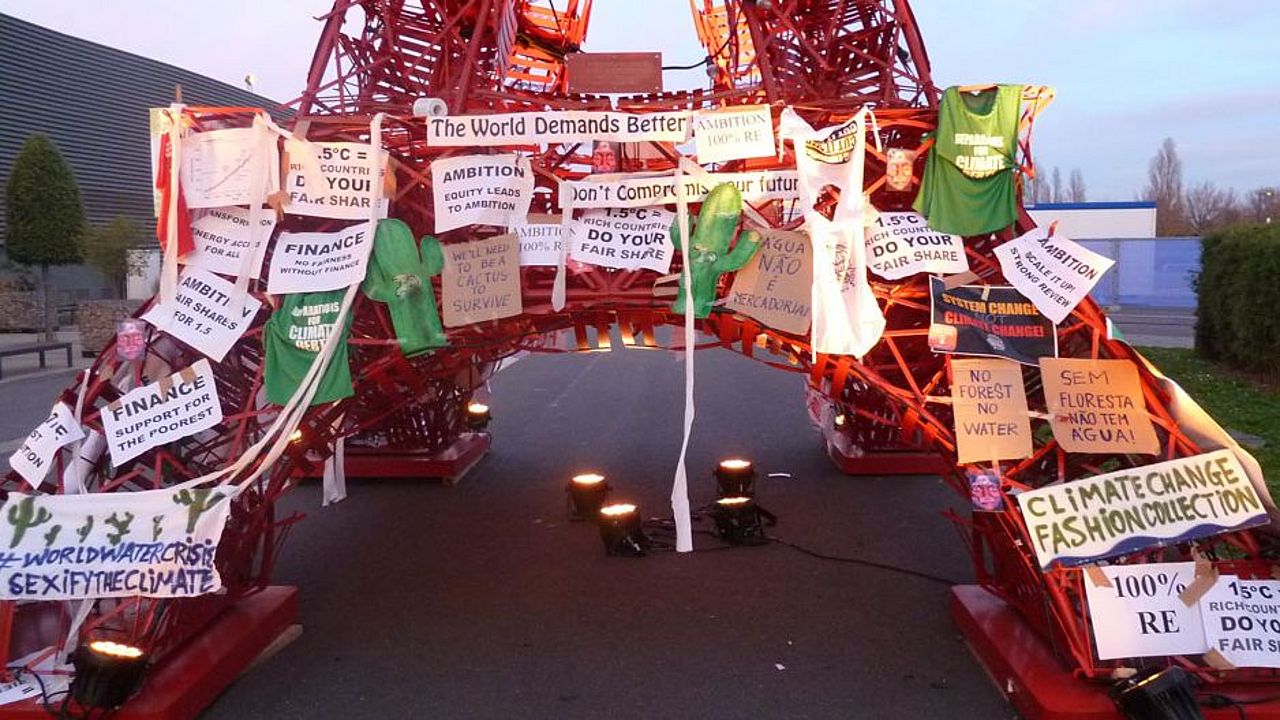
point(775, 287)
point(990, 405)
point(481, 280)
point(1097, 406)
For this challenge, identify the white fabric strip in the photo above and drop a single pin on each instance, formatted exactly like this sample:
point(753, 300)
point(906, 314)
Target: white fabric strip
point(680, 487)
point(169, 264)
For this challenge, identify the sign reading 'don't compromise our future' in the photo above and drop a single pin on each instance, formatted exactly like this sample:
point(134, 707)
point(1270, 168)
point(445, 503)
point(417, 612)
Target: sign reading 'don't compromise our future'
point(182, 404)
point(32, 460)
point(901, 244)
point(1242, 621)
point(1052, 271)
point(623, 238)
point(314, 261)
point(481, 190)
point(152, 543)
point(556, 126)
point(200, 313)
point(776, 287)
point(338, 184)
point(1097, 406)
point(986, 320)
point(1138, 611)
point(645, 189)
point(1129, 510)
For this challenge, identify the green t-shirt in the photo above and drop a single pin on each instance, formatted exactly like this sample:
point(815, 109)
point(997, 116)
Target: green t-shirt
point(968, 184)
point(293, 337)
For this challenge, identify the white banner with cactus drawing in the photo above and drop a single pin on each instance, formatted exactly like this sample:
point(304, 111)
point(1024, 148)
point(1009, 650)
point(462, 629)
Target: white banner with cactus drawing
point(154, 543)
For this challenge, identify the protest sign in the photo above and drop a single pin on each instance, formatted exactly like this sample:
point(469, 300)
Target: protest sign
point(644, 189)
point(1097, 406)
point(151, 543)
point(733, 133)
point(1242, 621)
point(1137, 612)
point(481, 280)
point(990, 404)
point(222, 239)
point(776, 286)
point(623, 238)
point(33, 459)
point(182, 404)
point(987, 320)
point(1052, 271)
point(556, 126)
point(314, 261)
point(218, 167)
point(901, 244)
point(541, 238)
point(481, 190)
point(200, 313)
point(1137, 508)
point(331, 179)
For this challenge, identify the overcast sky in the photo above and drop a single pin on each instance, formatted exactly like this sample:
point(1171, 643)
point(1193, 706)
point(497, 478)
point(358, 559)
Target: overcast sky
point(1128, 72)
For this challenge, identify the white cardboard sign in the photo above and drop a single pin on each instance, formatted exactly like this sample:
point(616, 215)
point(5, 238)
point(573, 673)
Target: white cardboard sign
point(733, 133)
point(182, 404)
point(540, 242)
point(1053, 272)
point(33, 459)
point(556, 126)
point(222, 238)
point(901, 244)
point(218, 167)
point(1141, 614)
point(331, 179)
point(1242, 621)
point(644, 190)
point(623, 238)
point(151, 543)
point(481, 190)
point(315, 261)
point(200, 313)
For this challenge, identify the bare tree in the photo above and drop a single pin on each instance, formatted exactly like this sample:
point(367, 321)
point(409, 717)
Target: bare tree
point(1263, 205)
point(1056, 180)
point(1208, 207)
point(1164, 188)
point(1075, 187)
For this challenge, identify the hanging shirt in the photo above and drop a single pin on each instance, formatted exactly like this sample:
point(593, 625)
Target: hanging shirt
point(293, 337)
point(968, 186)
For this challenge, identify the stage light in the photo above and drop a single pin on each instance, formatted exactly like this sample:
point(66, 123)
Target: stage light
point(478, 416)
point(1157, 694)
point(587, 493)
point(107, 673)
point(622, 530)
point(840, 420)
point(296, 436)
point(735, 476)
point(738, 521)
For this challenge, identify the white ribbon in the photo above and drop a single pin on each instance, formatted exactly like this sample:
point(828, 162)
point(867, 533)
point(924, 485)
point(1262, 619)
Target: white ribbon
point(680, 487)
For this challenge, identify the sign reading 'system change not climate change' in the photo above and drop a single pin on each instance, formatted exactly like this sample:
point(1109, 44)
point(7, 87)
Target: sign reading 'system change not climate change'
point(1128, 510)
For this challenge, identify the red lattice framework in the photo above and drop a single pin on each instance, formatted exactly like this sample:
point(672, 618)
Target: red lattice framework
point(827, 58)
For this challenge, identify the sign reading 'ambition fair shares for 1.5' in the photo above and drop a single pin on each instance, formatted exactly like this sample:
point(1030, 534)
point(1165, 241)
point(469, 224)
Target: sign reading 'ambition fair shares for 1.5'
point(567, 126)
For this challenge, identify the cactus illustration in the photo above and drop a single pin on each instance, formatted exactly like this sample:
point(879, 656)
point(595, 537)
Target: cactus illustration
point(82, 532)
point(52, 535)
point(400, 275)
point(156, 529)
point(197, 502)
point(121, 524)
point(24, 516)
point(709, 254)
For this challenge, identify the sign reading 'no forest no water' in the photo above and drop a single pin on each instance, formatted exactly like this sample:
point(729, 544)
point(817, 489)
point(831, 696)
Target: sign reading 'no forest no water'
point(1121, 512)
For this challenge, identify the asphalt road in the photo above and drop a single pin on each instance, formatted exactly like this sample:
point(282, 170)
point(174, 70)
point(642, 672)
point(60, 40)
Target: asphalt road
point(481, 601)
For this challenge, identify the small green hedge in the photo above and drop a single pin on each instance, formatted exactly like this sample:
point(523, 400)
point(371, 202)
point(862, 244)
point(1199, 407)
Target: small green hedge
point(1238, 314)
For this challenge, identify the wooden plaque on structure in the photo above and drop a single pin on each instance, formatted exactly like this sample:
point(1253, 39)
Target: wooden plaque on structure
point(630, 72)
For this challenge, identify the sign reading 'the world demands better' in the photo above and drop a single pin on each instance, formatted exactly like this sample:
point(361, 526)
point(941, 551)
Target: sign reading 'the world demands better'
point(986, 320)
point(1096, 406)
point(179, 405)
point(776, 286)
point(1128, 510)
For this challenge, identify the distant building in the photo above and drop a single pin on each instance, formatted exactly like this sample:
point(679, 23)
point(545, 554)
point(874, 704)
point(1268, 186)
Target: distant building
point(92, 101)
point(1096, 220)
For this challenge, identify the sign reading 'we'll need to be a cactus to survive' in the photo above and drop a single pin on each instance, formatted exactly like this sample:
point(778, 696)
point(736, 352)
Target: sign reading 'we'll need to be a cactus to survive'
point(155, 543)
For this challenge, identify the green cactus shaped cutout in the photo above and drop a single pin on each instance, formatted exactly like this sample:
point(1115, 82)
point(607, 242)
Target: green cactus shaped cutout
point(52, 536)
point(400, 275)
point(82, 532)
point(709, 255)
point(157, 527)
point(25, 515)
point(121, 524)
point(197, 502)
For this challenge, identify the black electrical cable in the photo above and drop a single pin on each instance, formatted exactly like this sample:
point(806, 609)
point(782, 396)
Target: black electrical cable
point(866, 563)
point(703, 61)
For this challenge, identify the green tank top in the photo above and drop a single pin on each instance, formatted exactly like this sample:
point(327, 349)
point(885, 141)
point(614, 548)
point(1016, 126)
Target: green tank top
point(968, 184)
point(293, 337)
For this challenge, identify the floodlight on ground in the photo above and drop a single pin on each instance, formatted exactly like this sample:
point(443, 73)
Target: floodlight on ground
point(622, 530)
point(107, 673)
point(1157, 694)
point(735, 476)
point(587, 493)
point(478, 416)
point(738, 521)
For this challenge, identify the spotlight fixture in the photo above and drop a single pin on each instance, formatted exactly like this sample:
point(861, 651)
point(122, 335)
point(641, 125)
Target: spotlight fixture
point(622, 530)
point(587, 493)
point(840, 420)
point(478, 416)
point(1157, 694)
point(107, 673)
point(295, 436)
point(738, 521)
point(735, 476)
